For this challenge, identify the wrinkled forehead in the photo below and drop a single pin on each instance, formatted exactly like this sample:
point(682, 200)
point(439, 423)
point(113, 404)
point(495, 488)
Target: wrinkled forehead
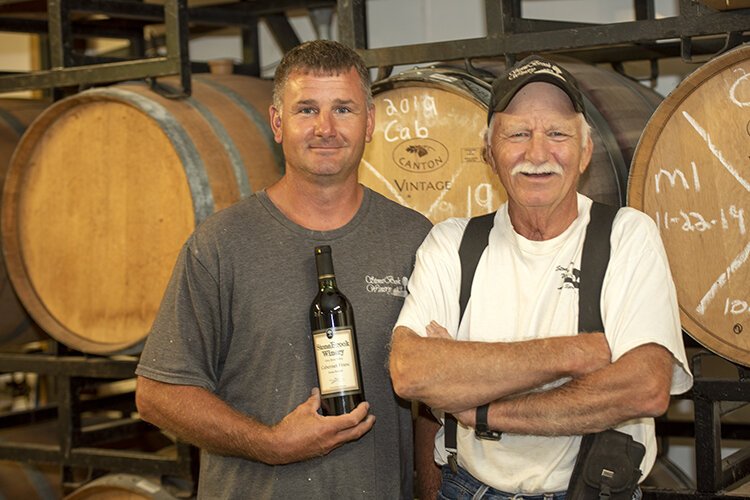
point(506, 122)
point(540, 97)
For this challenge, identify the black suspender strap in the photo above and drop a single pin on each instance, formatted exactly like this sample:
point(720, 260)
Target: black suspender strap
point(475, 239)
point(473, 242)
point(595, 255)
point(594, 261)
point(596, 250)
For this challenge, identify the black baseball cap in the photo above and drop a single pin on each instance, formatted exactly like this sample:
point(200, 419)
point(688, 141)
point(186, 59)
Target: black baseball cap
point(532, 69)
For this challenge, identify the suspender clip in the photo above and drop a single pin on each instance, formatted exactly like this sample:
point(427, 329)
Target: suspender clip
point(453, 462)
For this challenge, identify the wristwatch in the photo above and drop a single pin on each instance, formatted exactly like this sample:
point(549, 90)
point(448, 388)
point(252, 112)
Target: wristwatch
point(482, 429)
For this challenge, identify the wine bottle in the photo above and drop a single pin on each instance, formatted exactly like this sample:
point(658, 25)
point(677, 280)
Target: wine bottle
point(334, 342)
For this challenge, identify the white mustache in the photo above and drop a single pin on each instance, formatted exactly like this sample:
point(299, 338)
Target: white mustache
point(529, 168)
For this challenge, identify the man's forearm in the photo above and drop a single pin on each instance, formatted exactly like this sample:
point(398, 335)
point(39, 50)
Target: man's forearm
point(456, 375)
point(636, 386)
point(200, 418)
point(428, 472)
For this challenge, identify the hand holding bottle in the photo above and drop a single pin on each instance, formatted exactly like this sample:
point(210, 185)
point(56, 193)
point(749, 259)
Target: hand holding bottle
point(305, 434)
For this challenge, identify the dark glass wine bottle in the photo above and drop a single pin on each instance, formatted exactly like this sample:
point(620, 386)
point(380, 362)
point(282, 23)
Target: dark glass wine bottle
point(334, 342)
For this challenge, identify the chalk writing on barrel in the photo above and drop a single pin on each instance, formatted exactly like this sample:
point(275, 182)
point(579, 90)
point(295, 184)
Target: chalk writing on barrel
point(715, 151)
point(439, 203)
point(696, 221)
point(396, 195)
point(722, 279)
point(674, 175)
point(733, 89)
point(736, 307)
point(425, 104)
point(396, 129)
point(482, 195)
point(742, 257)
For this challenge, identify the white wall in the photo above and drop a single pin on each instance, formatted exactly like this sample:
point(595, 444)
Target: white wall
point(15, 55)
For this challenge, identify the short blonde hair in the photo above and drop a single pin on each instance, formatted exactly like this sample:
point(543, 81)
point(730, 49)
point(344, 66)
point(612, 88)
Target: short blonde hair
point(320, 57)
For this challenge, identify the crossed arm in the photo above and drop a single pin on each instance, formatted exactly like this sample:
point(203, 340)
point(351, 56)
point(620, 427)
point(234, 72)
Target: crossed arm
point(198, 416)
point(458, 376)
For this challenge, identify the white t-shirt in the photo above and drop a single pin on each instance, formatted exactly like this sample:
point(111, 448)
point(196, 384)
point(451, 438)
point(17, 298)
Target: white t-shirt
point(527, 289)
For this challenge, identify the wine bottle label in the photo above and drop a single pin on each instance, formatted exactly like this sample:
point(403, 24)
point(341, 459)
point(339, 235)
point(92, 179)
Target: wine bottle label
point(336, 362)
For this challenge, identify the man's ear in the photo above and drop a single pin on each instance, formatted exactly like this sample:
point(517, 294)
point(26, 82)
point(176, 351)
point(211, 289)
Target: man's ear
point(588, 151)
point(486, 152)
point(275, 116)
point(370, 123)
point(488, 159)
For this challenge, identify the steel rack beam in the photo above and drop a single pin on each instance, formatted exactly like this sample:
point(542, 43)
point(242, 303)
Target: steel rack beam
point(509, 35)
point(88, 436)
point(114, 430)
point(26, 6)
point(352, 20)
point(282, 31)
point(128, 18)
point(243, 13)
point(63, 74)
point(713, 473)
point(60, 35)
point(715, 477)
point(120, 402)
point(221, 16)
point(713, 398)
point(25, 417)
point(250, 50)
point(98, 458)
point(80, 366)
point(667, 49)
point(224, 14)
point(734, 431)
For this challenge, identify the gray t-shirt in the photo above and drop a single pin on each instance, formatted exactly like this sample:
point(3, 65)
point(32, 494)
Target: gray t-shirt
point(235, 321)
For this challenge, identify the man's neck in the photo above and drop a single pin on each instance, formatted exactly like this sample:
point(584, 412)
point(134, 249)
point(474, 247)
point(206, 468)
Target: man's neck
point(315, 206)
point(540, 224)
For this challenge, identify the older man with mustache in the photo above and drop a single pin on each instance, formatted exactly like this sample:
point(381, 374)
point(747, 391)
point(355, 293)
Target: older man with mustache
point(513, 366)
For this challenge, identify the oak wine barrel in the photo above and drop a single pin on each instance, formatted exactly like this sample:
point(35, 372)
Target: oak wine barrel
point(106, 186)
point(690, 174)
point(426, 150)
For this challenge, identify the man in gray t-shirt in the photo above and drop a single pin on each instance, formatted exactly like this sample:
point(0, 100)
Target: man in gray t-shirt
point(229, 363)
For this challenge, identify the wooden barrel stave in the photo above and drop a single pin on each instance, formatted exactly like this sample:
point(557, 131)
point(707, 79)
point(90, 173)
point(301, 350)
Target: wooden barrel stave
point(16, 327)
point(122, 487)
